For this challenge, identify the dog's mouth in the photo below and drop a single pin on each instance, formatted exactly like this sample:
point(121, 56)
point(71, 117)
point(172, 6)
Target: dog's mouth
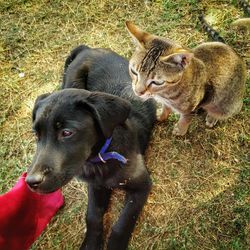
point(48, 185)
point(42, 191)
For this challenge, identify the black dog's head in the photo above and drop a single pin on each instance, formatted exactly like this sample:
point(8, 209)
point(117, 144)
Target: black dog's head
point(67, 125)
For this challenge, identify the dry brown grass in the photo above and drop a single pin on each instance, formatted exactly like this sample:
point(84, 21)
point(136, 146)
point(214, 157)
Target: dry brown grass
point(201, 183)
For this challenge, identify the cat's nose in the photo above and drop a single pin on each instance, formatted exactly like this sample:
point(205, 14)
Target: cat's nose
point(140, 92)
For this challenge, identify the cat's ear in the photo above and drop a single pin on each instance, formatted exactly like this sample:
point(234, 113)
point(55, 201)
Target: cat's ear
point(181, 59)
point(139, 36)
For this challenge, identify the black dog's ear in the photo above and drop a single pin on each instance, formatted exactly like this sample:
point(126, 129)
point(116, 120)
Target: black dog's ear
point(37, 103)
point(109, 111)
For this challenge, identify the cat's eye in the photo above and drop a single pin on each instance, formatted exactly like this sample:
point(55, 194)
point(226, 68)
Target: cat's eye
point(172, 82)
point(133, 72)
point(158, 83)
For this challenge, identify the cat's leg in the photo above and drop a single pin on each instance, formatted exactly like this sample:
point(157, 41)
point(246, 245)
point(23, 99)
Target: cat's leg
point(182, 125)
point(214, 113)
point(163, 113)
point(220, 111)
point(210, 121)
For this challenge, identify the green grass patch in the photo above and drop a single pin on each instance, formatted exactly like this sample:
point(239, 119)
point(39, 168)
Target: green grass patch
point(200, 196)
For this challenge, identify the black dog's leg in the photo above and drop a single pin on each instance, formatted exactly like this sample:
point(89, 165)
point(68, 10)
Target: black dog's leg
point(98, 201)
point(121, 231)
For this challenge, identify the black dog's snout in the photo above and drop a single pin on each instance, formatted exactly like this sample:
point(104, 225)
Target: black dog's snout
point(34, 180)
point(37, 175)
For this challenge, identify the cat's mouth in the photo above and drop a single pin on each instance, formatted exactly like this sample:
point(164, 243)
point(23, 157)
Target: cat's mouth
point(144, 95)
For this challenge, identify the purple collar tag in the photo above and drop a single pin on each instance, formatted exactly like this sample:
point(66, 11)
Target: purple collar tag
point(104, 156)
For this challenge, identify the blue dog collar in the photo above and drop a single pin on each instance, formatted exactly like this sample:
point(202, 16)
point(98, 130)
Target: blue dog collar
point(104, 156)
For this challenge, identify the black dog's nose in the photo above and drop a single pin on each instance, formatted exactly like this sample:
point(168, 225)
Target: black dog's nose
point(34, 180)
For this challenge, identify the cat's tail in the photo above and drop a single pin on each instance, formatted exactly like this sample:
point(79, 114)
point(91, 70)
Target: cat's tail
point(242, 23)
point(212, 33)
point(245, 6)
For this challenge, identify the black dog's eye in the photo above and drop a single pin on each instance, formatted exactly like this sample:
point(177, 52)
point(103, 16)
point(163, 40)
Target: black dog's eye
point(66, 133)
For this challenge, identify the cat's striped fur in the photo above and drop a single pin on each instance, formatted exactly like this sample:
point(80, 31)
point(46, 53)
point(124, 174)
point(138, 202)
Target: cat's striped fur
point(211, 76)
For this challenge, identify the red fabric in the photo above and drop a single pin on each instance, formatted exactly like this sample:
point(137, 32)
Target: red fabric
point(24, 215)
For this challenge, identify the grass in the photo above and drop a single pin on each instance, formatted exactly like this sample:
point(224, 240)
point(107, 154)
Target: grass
point(201, 183)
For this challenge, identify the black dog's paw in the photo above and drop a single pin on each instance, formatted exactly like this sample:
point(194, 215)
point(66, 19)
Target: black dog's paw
point(118, 241)
point(91, 245)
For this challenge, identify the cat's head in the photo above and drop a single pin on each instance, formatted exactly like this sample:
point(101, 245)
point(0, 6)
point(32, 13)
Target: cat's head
point(156, 62)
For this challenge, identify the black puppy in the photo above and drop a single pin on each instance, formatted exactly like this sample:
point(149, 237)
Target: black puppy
point(100, 137)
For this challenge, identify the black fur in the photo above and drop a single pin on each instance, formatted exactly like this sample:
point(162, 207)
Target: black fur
point(97, 101)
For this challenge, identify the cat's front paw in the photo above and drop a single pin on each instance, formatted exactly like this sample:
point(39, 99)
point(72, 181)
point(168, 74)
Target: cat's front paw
point(210, 121)
point(159, 115)
point(162, 113)
point(180, 131)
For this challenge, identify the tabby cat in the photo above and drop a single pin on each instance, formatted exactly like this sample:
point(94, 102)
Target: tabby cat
point(211, 76)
